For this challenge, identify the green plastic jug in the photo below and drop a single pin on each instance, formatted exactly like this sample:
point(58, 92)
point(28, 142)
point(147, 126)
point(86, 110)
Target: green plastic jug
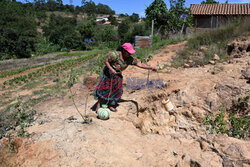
point(103, 112)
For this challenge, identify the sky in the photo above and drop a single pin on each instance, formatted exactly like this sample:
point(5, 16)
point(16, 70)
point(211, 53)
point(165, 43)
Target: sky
point(139, 6)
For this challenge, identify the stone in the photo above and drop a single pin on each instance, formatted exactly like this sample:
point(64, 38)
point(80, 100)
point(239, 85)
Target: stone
point(198, 113)
point(246, 73)
point(204, 145)
point(186, 65)
point(187, 114)
point(212, 62)
point(216, 57)
point(203, 48)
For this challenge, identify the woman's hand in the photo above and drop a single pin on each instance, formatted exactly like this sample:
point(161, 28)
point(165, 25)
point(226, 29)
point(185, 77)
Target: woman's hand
point(114, 72)
point(154, 69)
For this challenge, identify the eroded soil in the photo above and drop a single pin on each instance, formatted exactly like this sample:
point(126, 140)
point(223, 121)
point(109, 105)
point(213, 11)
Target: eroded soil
point(142, 132)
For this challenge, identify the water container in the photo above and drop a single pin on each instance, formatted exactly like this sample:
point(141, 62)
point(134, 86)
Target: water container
point(168, 105)
point(103, 112)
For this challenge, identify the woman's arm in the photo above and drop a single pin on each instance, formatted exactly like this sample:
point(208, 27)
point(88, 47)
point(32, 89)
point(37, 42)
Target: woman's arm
point(145, 66)
point(106, 61)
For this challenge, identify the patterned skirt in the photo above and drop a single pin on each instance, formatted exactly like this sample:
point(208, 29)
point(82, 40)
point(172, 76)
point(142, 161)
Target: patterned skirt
point(109, 86)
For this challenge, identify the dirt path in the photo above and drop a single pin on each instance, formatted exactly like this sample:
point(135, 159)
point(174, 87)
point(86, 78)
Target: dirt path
point(149, 136)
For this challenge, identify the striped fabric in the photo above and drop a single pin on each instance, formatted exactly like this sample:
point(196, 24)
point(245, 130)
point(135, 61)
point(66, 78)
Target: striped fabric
point(109, 87)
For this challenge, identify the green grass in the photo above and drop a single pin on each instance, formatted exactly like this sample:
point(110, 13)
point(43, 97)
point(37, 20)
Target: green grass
point(234, 122)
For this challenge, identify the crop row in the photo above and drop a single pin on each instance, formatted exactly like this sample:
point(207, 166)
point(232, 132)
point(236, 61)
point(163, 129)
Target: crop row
point(55, 68)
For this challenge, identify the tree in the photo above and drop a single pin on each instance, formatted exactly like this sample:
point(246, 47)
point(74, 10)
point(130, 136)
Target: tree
point(104, 9)
point(157, 11)
point(89, 7)
point(86, 30)
point(134, 17)
point(18, 34)
point(178, 16)
point(172, 20)
point(106, 33)
point(63, 31)
point(209, 2)
point(123, 28)
point(112, 20)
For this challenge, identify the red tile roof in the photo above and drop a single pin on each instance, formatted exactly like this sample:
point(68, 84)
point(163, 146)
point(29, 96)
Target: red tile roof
point(220, 9)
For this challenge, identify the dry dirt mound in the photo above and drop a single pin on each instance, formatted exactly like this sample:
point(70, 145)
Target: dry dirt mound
point(239, 47)
point(142, 132)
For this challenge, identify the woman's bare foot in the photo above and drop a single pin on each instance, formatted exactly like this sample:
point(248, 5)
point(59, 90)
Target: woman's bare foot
point(113, 109)
point(98, 106)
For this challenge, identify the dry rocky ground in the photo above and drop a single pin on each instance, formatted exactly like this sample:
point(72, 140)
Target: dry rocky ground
point(142, 132)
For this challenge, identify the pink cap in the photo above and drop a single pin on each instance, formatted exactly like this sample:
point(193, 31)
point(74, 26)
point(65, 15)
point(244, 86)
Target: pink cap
point(128, 47)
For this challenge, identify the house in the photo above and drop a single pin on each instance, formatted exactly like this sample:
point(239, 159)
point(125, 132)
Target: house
point(116, 16)
point(105, 18)
point(107, 23)
point(215, 15)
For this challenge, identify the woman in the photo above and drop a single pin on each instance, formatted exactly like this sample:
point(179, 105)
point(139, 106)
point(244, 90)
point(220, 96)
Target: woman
point(109, 87)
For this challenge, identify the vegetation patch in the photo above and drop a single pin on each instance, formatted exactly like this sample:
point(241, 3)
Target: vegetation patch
point(202, 47)
point(234, 123)
point(18, 117)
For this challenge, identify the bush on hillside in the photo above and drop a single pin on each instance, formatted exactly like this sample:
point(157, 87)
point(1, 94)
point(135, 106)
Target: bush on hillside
point(106, 33)
point(17, 29)
point(62, 31)
point(44, 47)
point(123, 28)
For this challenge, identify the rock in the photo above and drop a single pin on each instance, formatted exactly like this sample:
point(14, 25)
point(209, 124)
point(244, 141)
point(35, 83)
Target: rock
point(216, 57)
point(160, 66)
point(213, 101)
point(187, 114)
point(204, 145)
point(238, 47)
point(212, 62)
point(231, 147)
point(228, 93)
point(190, 61)
point(186, 161)
point(238, 55)
point(246, 73)
point(198, 113)
point(203, 48)
point(186, 65)
point(165, 84)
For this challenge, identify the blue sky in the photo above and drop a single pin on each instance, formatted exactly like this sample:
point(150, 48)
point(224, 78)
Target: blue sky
point(139, 6)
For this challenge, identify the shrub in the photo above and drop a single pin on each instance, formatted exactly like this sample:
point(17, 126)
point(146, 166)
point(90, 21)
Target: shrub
point(17, 29)
point(214, 40)
point(235, 122)
point(62, 31)
point(44, 47)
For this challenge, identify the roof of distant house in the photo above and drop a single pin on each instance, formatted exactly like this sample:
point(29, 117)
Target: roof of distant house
point(107, 23)
point(101, 17)
point(220, 9)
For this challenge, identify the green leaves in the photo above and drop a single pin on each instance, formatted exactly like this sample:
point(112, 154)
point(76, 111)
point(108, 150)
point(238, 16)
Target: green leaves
point(209, 2)
point(157, 11)
point(172, 20)
point(62, 31)
point(234, 122)
point(17, 29)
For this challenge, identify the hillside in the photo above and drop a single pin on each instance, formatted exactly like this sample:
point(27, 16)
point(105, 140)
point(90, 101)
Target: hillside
point(142, 132)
